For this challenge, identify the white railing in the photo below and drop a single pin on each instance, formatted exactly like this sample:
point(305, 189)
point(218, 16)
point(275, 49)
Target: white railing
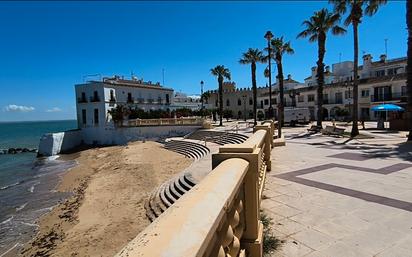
point(164, 122)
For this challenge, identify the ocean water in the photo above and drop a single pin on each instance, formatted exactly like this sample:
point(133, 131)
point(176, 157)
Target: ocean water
point(27, 183)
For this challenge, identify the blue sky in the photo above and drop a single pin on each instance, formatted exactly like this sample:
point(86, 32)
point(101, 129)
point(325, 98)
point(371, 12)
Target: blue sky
point(47, 47)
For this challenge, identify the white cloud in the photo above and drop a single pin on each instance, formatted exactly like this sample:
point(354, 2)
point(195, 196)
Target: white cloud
point(18, 108)
point(54, 109)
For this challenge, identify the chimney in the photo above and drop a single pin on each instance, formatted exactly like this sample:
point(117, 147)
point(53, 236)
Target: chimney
point(367, 59)
point(382, 58)
point(289, 77)
point(313, 72)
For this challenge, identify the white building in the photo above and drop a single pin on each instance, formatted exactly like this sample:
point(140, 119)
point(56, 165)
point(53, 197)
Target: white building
point(96, 98)
point(182, 100)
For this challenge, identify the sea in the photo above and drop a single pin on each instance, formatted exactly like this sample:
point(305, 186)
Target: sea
point(27, 183)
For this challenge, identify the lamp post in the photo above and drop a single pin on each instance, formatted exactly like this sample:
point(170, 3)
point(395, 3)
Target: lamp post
point(244, 106)
point(268, 37)
point(201, 94)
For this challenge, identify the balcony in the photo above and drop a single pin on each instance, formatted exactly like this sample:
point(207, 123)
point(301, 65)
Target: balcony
point(389, 97)
point(140, 100)
point(82, 100)
point(94, 99)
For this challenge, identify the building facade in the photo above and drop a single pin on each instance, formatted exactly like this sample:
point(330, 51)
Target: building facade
point(381, 81)
point(96, 98)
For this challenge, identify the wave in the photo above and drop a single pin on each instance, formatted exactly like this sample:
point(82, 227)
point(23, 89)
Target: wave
point(11, 185)
point(7, 220)
point(21, 207)
point(10, 249)
point(31, 189)
point(30, 224)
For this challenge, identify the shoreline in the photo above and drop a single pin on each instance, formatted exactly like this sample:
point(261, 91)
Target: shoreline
point(108, 189)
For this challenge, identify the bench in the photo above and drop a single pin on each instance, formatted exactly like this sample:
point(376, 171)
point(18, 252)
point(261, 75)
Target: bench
point(313, 128)
point(333, 131)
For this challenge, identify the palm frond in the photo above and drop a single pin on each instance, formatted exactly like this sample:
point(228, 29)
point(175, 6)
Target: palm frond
point(337, 30)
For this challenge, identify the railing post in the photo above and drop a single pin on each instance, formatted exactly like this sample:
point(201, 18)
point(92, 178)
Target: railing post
point(252, 239)
point(268, 143)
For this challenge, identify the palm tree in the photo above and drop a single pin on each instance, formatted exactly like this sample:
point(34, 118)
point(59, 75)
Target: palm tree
point(279, 48)
point(356, 10)
point(252, 56)
point(409, 66)
point(317, 28)
point(221, 73)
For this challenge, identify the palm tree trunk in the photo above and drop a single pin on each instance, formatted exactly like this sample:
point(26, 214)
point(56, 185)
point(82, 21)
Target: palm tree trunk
point(355, 130)
point(253, 67)
point(409, 66)
point(321, 76)
point(220, 80)
point(281, 95)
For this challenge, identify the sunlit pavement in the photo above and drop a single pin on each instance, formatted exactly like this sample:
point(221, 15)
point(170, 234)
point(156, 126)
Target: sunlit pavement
point(338, 197)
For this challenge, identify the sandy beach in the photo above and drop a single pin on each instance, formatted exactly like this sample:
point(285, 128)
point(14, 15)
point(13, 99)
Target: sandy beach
point(106, 210)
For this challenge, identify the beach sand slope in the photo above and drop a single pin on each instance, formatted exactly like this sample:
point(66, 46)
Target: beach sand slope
point(106, 211)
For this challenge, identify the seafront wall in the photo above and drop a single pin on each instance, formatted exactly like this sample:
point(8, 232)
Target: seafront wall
point(55, 143)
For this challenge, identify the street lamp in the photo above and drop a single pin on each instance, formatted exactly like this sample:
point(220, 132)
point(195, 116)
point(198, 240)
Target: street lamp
point(201, 93)
point(268, 37)
point(244, 106)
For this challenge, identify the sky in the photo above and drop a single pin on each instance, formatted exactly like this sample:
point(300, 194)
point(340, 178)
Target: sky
point(48, 47)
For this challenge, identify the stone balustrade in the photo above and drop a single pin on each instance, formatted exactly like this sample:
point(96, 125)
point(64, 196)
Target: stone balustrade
point(220, 216)
point(164, 122)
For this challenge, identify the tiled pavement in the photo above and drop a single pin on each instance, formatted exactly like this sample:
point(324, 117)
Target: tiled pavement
point(329, 197)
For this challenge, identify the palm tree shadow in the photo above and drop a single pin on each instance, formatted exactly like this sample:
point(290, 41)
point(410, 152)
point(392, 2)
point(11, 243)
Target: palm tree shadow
point(402, 151)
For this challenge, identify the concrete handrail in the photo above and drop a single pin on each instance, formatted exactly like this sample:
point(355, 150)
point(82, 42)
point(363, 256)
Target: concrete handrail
point(206, 221)
point(165, 121)
point(220, 216)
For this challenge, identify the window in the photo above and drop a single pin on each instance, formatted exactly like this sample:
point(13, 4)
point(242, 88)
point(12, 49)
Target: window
point(275, 101)
point(338, 98)
point(227, 102)
point(325, 99)
point(348, 94)
point(250, 101)
point(95, 97)
point(239, 102)
point(403, 91)
point(301, 99)
point(167, 99)
point(96, 116)
point(380, 73)
point(266, 101)
point(392, 71)
point(84, 120)
point(365, 93)
point(311, 98)
point(129, 98)
point(261, 104)
point(364, 114)
point(382, 94)
point(83, 99)
point(216, 103)
point(112, 99)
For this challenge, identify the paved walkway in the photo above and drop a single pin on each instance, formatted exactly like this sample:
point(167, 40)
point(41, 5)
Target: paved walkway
point(334, 197)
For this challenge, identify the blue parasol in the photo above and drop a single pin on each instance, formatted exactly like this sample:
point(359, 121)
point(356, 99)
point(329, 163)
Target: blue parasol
point(387, 107)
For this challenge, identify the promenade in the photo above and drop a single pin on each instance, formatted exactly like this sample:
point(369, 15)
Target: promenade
point(339, 197)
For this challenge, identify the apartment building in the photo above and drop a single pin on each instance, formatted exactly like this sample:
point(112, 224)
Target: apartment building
point(381, 81)
point(96, 98)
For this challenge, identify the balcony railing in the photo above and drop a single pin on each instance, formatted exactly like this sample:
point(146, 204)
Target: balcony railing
point(220, 216)
point(94, 99)
point(388, 97)
point(82, 100)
